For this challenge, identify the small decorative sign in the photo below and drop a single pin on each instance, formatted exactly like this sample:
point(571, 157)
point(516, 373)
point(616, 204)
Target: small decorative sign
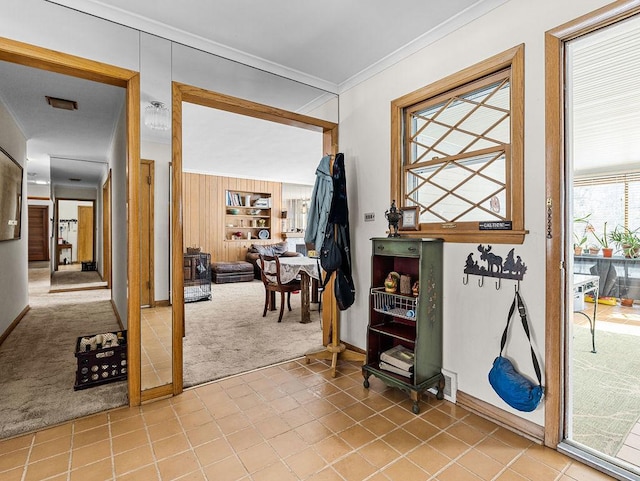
point(493, 225)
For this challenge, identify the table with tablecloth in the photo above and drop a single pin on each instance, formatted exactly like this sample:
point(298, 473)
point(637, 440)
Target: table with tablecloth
point(290, 269)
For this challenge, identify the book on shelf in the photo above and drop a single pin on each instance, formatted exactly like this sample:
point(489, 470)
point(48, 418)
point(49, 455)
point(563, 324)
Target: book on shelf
point(399, 356)
point(391, 368)
point(264, 202)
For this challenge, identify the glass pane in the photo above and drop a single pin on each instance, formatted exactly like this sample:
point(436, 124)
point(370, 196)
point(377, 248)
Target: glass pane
point(469, 190)
point(634, 205)
point(474, 121)
point(588, 203)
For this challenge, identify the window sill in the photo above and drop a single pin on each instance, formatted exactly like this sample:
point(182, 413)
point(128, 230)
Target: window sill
point(471, 237)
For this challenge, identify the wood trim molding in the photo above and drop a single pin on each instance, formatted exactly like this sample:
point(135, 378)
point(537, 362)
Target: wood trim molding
point(35, 197)
point(67, 64)
point(133, 238)
point(155, 393)
point(509, 421)
point(177, 289)
point(556, 309)
point(52, 61)
point(459, 231)
point(106, 230)
point(151, 201)
point(219, 101)
point(14, 324)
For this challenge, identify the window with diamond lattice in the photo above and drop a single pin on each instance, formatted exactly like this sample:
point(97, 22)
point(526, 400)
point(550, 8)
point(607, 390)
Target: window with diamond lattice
point(458, 156)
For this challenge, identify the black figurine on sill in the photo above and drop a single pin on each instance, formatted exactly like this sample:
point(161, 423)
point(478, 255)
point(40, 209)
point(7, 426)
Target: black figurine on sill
point(393, 216)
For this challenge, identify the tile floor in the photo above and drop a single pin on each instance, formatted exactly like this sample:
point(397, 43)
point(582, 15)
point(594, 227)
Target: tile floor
point(281, 423)
point(156, 361)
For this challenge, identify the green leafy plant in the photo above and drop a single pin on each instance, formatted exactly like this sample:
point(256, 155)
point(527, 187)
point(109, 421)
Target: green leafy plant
point(627, 240)
point(581, 238)
point(603, 240)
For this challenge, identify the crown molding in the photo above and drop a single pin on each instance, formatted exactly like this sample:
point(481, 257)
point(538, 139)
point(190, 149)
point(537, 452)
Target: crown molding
point(144, 24)
point(468, 15)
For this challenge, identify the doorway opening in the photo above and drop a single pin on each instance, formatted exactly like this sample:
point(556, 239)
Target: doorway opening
point(220, 102)
point(75, 265)
point(593, 180)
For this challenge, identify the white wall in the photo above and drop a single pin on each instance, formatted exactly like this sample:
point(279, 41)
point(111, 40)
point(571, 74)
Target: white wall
point(14, 286)
point(119, 229)
point(474, 317)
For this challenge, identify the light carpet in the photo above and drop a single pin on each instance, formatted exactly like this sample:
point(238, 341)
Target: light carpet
point(38, 364)
point(64, 280)
point(228, 335)
point(606, 388)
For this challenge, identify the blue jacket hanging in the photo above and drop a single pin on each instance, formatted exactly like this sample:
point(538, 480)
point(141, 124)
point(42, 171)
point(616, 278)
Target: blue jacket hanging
point(321, 196)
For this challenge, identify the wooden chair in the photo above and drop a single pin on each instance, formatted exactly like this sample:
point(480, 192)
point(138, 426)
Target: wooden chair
point(272, 284)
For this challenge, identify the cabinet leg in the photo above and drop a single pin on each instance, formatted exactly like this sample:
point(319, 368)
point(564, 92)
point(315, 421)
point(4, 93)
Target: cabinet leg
point(366, 375)
point(440, 393)
point(415, 397)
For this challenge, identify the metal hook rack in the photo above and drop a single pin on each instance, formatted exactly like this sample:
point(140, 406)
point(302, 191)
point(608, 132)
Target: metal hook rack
point(512, 267)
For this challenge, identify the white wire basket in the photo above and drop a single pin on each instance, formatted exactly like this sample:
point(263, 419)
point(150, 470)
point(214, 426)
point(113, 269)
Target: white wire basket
point(395, 305)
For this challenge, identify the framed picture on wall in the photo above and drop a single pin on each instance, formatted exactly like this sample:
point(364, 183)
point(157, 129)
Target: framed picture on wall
point(10, 197)
point(410, 219)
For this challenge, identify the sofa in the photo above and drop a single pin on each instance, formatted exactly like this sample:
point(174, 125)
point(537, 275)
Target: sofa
point(271, 250)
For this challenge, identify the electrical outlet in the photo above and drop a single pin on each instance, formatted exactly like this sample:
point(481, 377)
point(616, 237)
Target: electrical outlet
point(369, 216)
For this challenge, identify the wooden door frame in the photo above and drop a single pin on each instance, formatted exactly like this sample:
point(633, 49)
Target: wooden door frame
point(151, 164)
point(557, 247)
point(93, 230)
point(47, 239)
point(206, 98)
point(106, 230)
point(46, 59)
point(57, 220)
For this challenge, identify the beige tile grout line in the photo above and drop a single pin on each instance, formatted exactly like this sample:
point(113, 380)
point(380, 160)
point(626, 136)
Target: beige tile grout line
point(26, 462)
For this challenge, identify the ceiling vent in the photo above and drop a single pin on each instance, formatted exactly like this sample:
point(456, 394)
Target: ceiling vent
point(62, 103)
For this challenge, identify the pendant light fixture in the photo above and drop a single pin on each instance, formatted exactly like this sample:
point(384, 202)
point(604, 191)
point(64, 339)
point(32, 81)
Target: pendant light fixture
point(156, 116)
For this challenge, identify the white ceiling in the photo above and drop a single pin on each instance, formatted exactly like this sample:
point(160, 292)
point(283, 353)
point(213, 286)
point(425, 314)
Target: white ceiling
point(331, 45)
point(79, 140)
point(247, 147)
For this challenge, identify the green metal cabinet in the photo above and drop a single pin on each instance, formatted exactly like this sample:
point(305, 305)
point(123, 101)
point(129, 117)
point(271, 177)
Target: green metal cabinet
point(414, 322)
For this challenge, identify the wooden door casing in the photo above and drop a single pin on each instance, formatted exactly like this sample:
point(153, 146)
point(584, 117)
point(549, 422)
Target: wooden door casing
point(38, 233)
point(146, 232)
point(106, 231)
point(85, 234)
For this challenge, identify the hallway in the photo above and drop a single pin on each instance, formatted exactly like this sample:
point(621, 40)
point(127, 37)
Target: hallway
point(38, 361)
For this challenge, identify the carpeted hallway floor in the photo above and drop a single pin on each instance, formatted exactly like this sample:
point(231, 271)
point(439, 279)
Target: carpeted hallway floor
point(38, 359)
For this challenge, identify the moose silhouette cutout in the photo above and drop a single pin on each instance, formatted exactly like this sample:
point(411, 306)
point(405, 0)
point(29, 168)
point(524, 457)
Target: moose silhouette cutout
point(511, 268)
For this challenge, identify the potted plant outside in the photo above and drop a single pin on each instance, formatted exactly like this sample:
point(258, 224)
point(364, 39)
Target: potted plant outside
point(603, 240)
point(580, 238)
point(625, 301)
point(627, 240)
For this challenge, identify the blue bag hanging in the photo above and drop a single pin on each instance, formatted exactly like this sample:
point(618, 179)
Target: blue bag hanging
point(516, 390)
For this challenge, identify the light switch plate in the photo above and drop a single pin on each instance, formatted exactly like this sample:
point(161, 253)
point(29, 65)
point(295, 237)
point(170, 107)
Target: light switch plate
point(369, 216)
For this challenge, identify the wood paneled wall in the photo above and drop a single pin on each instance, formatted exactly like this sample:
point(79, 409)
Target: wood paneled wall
point(204, 213)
